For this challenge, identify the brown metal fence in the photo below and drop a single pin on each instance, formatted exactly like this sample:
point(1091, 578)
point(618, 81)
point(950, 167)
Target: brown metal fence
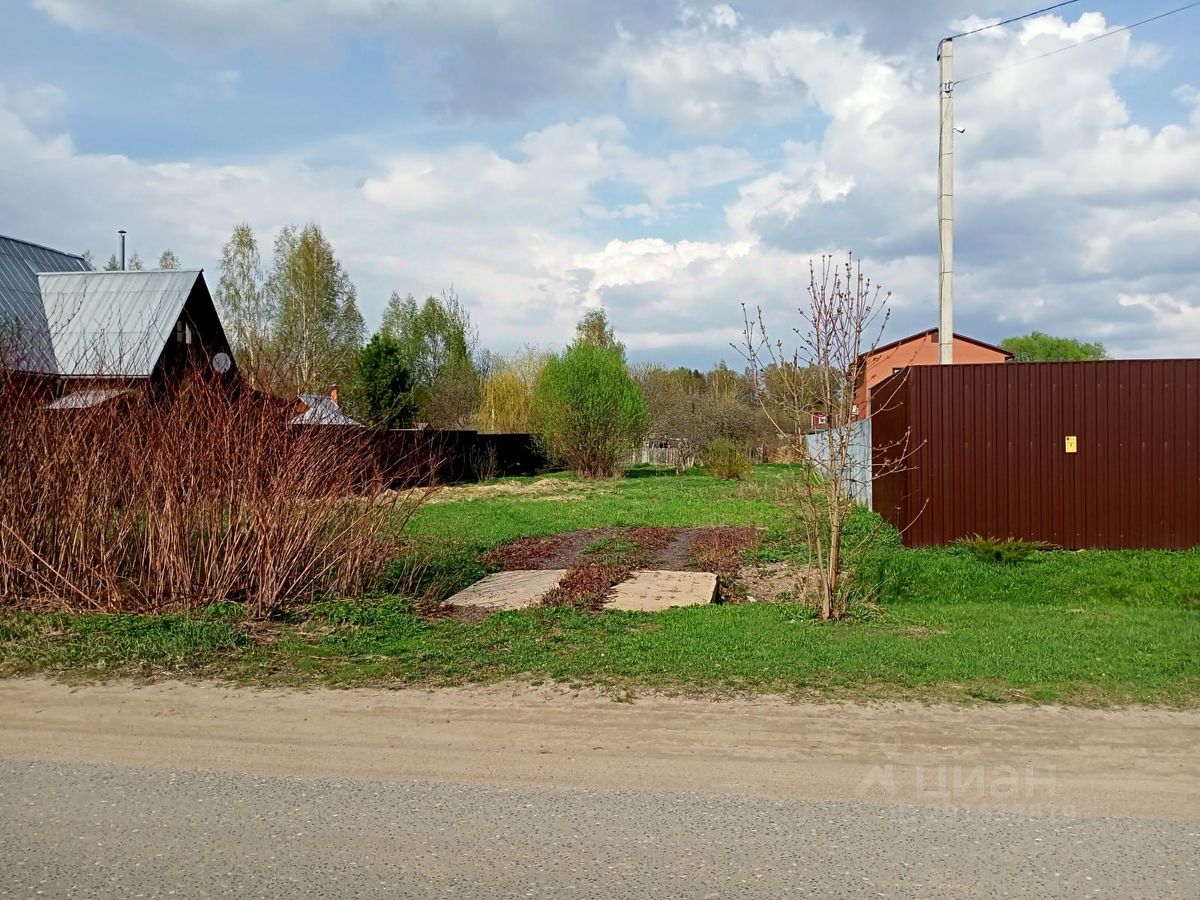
point(1081, 454)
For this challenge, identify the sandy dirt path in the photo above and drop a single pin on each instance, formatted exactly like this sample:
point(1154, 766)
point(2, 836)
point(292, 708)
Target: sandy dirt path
point(1038, 760)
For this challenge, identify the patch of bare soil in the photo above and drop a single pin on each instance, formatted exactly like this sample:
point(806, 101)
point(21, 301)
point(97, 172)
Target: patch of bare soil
point(662, 548)
point(778, 582)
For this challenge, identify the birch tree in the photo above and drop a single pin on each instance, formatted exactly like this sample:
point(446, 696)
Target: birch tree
point(246, 309)
point(440, 344)
point(318, 328)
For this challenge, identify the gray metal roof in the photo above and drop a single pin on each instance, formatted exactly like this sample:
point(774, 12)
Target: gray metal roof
point(112, 324)
point(24, 332)
point(86, 399)
point(322, 411)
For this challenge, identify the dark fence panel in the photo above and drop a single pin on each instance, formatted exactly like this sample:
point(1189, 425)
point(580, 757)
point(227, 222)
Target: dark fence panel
point(987, 453)
point(427, 456)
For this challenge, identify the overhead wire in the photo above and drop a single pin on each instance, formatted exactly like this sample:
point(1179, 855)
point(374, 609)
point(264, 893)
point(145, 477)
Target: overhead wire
point(1090, 40)
point(1028, 15)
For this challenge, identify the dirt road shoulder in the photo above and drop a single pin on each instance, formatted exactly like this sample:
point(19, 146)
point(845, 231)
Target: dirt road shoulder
point(1133, 762)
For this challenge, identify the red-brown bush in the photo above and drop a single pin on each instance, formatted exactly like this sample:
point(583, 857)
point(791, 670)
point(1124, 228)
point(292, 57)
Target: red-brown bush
point(149, 502)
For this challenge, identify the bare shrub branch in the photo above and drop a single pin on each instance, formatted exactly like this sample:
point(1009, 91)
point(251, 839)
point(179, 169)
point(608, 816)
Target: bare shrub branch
point(841, 322)
point(146, 502)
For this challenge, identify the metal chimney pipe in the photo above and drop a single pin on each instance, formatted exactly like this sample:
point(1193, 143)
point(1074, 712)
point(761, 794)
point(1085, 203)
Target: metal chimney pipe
point(122, 234)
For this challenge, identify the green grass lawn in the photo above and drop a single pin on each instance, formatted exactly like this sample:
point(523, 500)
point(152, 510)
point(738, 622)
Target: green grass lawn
point(1090, 628)
point(651, 497)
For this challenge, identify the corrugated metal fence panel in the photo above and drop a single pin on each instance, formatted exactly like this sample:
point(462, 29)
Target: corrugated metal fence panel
point(816, 445)
point(986, 452)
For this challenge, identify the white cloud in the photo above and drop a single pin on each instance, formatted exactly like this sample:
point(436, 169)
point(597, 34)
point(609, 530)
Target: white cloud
point(1073, 215)
point(37, 103)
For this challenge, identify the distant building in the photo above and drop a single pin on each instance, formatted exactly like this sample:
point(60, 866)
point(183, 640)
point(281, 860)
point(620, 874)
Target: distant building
point(85, 336)
point(919, 349)
point(321, 409)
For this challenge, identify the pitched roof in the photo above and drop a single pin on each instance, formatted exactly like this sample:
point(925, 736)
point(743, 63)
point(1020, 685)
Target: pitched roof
point(926, 333)
point(87, 398)
point(319, 409)
point(21, 309)
point(112, 324)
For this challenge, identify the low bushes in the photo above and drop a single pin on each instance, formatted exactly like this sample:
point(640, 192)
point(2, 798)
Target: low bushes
point(150, 503)
point(587, 412)
point(1000, 550)
point(727, 459)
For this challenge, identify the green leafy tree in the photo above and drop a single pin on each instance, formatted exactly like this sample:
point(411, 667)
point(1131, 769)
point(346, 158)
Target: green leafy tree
point(112, 265)
point(168, 260)
point(247, 310)
point(595, 329)
point(380, 393)
point(135, 262)
point(587, 410)
point(1041, 347)
point(506, 400)
point(318, 328)
point(439, 344)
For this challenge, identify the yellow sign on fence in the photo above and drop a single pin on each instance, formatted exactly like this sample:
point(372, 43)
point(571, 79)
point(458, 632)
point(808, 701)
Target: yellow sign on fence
point(1072, 444)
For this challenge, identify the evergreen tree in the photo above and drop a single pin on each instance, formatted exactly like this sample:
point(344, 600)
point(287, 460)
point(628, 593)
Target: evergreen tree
point(439, 343)
point(380, 393)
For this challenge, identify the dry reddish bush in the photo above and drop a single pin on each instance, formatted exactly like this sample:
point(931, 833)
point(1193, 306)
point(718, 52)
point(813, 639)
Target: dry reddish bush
point(586, 587)
point(721, 550)
point(522, 553)
point(651, 541)
point(166, 501)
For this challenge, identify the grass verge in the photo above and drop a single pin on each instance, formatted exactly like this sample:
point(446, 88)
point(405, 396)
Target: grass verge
point(1095, 628)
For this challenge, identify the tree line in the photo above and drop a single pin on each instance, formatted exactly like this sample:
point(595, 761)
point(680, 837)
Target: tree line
point(295, 327)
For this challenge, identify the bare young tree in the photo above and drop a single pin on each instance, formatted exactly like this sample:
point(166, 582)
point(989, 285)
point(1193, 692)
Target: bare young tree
point(841, 322)
point(247, 311)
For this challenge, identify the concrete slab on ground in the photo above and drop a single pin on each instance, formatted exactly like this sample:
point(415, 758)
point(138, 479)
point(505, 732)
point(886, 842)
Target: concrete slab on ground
point(509, 590)
point(651, 590)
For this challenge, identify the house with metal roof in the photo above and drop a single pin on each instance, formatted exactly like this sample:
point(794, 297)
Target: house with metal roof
point(83, 333)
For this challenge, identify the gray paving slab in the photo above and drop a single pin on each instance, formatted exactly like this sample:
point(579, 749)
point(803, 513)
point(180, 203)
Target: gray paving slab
point(653, 590)
point(509, 590)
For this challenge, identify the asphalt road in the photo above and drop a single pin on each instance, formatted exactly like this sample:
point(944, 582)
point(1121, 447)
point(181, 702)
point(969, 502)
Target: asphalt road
point(82, 830)
point(197, 790)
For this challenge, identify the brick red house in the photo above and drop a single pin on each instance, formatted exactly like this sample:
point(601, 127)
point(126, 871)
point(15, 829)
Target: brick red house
point(920, 349)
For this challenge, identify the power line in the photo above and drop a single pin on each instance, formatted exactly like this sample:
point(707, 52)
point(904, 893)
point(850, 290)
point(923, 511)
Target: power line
point(1090, 40)
point(1030, 15)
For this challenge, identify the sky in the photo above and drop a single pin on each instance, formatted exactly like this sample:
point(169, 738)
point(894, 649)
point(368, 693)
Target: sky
point(667, 161)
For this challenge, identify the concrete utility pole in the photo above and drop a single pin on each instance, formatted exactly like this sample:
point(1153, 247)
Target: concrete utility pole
point(946, 205)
